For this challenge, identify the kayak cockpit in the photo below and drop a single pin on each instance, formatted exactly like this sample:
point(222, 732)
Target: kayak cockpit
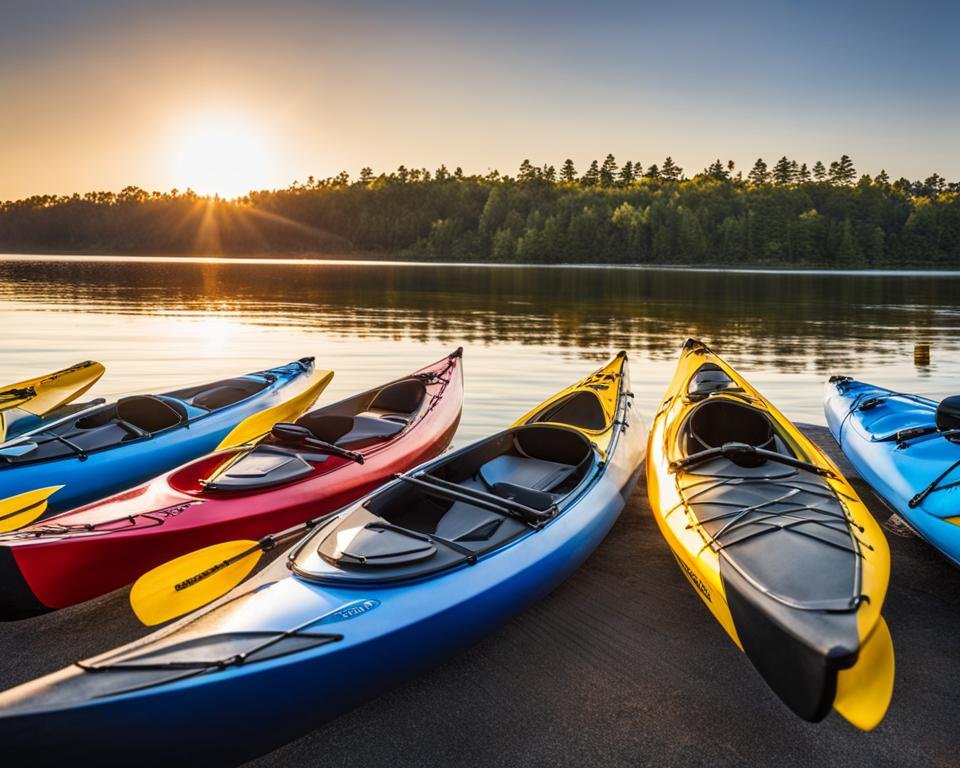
point(359, 423)
point(128, 419)
point(471, 504)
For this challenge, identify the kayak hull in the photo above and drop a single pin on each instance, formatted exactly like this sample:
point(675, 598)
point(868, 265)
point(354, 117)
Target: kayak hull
point(378, 636)
point(897, 474)
point(157, 522)
point(87, 477)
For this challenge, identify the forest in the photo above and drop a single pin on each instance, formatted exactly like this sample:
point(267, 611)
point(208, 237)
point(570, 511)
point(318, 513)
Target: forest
point(784, 214)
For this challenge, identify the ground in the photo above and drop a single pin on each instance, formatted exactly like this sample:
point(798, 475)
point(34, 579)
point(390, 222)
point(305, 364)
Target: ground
point(620, 666)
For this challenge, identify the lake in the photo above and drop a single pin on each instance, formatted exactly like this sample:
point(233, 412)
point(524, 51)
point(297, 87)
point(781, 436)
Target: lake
point(527, 331)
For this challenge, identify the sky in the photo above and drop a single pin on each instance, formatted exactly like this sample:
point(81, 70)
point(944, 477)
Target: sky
point(226, 96)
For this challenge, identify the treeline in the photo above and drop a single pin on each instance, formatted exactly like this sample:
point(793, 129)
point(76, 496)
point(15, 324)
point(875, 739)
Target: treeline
point(787, 214)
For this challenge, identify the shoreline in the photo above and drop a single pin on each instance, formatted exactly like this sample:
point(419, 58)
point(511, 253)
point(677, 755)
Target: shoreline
point(380, 260)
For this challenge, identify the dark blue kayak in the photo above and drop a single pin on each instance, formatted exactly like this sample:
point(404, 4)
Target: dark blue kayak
point(380, 591)
point(110, 447)
point(907, 448)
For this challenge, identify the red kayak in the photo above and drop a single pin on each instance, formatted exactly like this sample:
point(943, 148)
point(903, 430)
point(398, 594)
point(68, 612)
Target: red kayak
point(329, 458)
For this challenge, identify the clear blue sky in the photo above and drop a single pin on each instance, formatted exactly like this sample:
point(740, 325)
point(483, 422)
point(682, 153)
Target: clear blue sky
point(100, 94)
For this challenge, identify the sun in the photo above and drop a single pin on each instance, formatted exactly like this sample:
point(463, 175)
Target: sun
point(220, 155)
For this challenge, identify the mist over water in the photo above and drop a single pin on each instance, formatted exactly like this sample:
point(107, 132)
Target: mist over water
point(527, 331)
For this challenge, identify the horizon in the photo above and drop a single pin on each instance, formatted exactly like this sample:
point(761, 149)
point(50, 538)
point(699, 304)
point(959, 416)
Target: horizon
point(225, 99)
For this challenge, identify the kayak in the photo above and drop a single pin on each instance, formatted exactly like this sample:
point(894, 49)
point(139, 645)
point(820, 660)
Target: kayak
point(906, 447)
point(110, 447)
point(25, 405)
point(774, 540)
point(244, 492)
point(380, 591)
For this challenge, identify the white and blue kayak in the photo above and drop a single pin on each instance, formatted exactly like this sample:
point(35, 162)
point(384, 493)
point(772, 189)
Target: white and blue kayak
point(376, 593)
point(907, 447)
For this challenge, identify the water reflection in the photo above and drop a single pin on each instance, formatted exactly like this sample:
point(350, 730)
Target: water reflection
point(793, 327)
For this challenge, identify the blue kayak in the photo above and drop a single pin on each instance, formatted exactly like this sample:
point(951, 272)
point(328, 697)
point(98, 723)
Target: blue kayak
point(110, 447)
point(907, 448)
point(378, 592)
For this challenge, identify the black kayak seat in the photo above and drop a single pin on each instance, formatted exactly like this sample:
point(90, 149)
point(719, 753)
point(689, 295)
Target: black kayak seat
point(397, 402)
point(350, 430)
point(525, 471)
point(521, 478)
point(948, 413)
point(149, 413)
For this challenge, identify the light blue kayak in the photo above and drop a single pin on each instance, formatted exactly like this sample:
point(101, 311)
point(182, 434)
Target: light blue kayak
point(907, 448)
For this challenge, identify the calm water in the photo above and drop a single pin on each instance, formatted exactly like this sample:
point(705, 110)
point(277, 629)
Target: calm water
point(527, 331)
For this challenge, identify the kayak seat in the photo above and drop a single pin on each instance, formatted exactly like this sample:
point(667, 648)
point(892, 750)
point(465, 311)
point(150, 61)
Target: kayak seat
point(349, 430)
point(524, 472)
point(716, 422)
point(151, 414)
point(219, 394)
point(397, 402)
point(948, 413)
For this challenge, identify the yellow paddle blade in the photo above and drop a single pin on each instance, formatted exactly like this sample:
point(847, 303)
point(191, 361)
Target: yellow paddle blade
point(22, 509)
point(43, 394)
point(192, 580)
point(864, 691)
point(259, 424)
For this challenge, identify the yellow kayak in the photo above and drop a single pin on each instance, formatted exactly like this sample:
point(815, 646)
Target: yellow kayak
point(41, 396)
point(774, 540)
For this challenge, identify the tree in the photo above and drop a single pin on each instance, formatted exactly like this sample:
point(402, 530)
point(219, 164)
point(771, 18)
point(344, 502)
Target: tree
point(758, 174)
point(366, 175)
point(527, 171)
point(803, 174)
point(670, 170)
point(592, 177)
point(842, 171)
point(568, 173)
point(882, 179)
point(819, 172)
point(442, 173)
point(716, 170)
point(549, 173)
point(653, 172)
point(608, 171)
point(626, 173)
point(934, 185)
point(784, 171)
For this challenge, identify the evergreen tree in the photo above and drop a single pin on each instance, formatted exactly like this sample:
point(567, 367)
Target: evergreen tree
point(608, 171)
point(716, 170)
point(842, 171)
point(730, 166)
point(882, 179)
point(819, 172)
point(366, 175)
point(785, 171)
point(653, 172)
point(934, 185)
point(626, 173)
point(527, 171)
point(549, 174)
point(592, 177)
point(568, 172)
point(803, 174)
point(670, 170)
point(758, 174)
point(442, 174)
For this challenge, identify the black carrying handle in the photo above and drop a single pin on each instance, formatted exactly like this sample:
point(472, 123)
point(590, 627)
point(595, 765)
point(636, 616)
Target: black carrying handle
point(298, 434)
point(734, 450)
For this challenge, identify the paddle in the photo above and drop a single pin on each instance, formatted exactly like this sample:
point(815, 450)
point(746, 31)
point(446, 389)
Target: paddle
point(303, 436)
point(197, 578)
point(22, 509)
